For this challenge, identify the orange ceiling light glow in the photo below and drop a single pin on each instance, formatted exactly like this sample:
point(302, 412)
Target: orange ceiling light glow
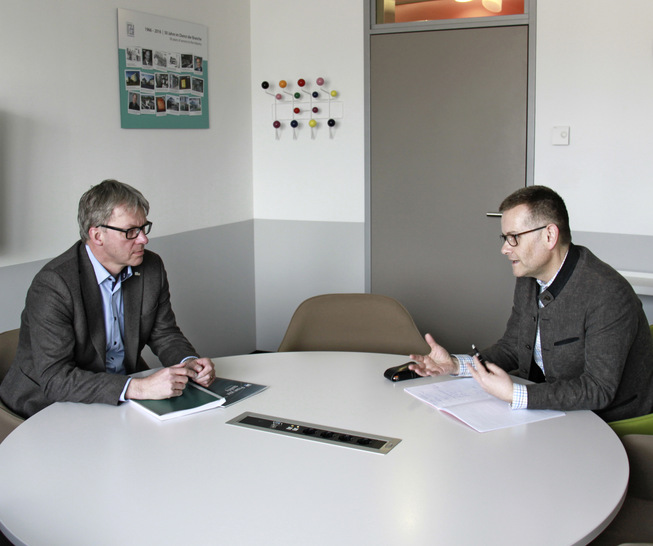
point(406, 11)
point(492, 5)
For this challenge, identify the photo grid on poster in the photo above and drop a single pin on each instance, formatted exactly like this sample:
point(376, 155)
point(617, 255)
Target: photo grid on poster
point(164, 76)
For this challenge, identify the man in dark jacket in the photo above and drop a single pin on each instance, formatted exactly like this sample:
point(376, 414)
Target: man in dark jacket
point(577, 329)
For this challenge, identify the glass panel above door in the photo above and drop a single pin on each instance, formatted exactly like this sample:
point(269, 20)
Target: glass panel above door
point(408, 11)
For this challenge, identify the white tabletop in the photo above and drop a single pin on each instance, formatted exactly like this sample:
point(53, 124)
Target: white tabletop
point(97, 474)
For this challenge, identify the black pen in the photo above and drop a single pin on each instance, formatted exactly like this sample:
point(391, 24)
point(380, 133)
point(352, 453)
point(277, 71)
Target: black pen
point(480, 357)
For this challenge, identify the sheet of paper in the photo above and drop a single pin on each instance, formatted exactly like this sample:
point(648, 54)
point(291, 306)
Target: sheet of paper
point(446, 394)
point(495, 414)
point(466, 400)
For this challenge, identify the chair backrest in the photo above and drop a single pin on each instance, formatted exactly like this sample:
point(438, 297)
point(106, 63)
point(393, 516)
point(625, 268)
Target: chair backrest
point(8, 346)
point(353, 322)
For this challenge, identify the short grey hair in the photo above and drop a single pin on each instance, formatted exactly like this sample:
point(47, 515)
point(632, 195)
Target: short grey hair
point(97, 204)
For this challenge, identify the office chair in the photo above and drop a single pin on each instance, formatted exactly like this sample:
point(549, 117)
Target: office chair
point(634, 522)
point(8, 345)
point(368, 323)
point(635, 425)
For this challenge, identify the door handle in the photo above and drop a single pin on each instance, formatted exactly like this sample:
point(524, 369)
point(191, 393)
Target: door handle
point(494, 214)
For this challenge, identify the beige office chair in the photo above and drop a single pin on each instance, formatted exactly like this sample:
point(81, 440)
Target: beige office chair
point(634, 522)
point(8, 345)
point(368, 323)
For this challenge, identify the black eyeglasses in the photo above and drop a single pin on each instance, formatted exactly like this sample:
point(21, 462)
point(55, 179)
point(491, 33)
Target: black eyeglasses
point(134, 232)
point(511, 238)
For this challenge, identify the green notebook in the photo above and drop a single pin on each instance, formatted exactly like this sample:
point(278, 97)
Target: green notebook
point(193, 400)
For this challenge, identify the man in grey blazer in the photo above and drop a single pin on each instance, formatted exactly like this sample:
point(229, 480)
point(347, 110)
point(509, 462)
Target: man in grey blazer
point(90, 311)
point(577, 329)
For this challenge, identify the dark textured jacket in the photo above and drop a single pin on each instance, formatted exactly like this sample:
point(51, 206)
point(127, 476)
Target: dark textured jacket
point(61, 352)
point(596, 342)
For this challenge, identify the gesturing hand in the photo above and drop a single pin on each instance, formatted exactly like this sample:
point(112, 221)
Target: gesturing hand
point(437, 362)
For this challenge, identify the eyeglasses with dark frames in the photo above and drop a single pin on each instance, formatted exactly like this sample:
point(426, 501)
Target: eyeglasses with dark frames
point(131, 233)
point(512, 238)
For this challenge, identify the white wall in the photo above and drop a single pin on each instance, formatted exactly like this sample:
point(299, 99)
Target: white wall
point(309, 193)
point(595, 74)
point(60, 133)
point(320, 179)
point(60, 124)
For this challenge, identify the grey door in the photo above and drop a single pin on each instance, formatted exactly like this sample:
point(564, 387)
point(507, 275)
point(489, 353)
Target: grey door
point(448, 143)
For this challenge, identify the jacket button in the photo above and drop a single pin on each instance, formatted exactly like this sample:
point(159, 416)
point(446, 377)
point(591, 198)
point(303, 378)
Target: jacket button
point(528, 347)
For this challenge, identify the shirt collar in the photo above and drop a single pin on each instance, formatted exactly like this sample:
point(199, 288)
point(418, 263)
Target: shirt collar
point(545, 285)
point(101, 274)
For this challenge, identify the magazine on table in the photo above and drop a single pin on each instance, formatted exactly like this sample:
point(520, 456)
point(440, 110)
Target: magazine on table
point(233, 390)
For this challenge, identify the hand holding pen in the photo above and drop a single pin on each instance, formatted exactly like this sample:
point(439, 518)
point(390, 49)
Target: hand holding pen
point(480, 357)
point(494, 381)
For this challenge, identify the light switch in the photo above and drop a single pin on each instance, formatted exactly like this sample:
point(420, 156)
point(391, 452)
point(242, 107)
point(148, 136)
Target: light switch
point(560, 136)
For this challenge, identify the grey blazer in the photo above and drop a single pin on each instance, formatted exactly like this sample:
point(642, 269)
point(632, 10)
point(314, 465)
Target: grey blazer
point(62, 347)
point(596, 342)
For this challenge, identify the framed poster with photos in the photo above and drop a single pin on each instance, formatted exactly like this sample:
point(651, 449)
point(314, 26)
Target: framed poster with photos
point(163, 72)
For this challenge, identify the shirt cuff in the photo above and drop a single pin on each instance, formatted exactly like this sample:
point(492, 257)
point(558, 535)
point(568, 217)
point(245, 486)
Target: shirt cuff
point(519, 396)
point(124, 391)
point(519, 391)
point(464, 363)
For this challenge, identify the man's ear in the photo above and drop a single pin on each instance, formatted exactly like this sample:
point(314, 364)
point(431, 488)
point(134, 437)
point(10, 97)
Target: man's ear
point(95, 237)
point(552, 235)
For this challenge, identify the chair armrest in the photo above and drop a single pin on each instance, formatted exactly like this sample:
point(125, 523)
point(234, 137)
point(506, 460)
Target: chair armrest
point(8, 421)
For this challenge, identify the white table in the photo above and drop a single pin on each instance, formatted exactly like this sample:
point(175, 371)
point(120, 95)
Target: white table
point(97, 474)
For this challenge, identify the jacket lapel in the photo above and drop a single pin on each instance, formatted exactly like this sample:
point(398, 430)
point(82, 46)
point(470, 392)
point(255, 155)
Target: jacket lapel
point(132, 292)
point(563, 276)
point(92, 304)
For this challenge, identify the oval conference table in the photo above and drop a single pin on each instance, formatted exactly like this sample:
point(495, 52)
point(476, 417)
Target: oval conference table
point(78, 474)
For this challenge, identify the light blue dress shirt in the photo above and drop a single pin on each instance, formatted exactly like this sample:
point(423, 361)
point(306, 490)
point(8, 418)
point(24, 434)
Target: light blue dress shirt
point(114, 315)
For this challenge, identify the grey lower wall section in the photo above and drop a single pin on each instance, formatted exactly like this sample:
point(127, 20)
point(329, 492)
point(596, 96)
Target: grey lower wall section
point(14, 282)
point(235, 287)
point(296, 260)
point(211, 274)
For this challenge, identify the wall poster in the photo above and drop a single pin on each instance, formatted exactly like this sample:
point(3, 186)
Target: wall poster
point(163, 72)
